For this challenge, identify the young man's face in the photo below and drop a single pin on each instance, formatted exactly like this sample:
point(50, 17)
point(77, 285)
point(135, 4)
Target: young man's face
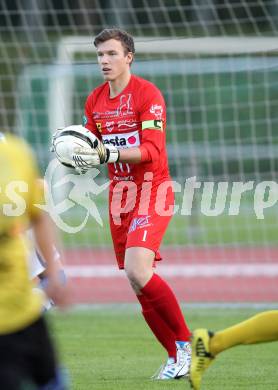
point(112, 59)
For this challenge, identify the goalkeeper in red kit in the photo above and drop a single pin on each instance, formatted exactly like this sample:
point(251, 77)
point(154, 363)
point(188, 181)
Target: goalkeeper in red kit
point(128, 114)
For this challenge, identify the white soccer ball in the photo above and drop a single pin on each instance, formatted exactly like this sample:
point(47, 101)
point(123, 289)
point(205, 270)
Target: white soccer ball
point(67, 140)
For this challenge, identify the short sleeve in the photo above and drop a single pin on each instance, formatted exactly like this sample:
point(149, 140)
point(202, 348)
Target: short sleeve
point(25, 167)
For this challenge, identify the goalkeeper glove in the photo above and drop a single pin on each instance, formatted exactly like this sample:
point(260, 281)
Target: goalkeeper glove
point(85, 158)
point(76, 147)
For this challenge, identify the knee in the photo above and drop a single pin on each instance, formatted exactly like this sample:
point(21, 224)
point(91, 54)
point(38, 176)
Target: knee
point(135, 276)
point(138, 274)
point(138, 269)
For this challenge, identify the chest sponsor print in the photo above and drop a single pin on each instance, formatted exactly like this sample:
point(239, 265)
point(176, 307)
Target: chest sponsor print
point(127, 124)
point(110, 126)
point(122, 141)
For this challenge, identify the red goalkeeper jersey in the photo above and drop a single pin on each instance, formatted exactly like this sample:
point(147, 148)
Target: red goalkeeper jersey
point(135, 117)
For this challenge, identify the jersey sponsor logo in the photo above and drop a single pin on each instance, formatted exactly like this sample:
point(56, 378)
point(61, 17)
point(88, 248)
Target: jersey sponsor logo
point(98, 124)
point(123, 178)
point(122, 110)
point(110, 126)
point(119, 112)
point(127, 123)
point(157, 110)
point(153, 124)
point(139, 222)
point(84, 120)
point(125, 105)
point(122, 141)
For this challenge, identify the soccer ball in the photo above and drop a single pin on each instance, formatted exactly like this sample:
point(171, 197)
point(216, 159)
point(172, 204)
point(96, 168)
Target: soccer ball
point(67, 140)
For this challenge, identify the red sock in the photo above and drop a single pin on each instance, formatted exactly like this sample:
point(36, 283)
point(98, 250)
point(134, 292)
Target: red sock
point(164, 302)
point(159, 328)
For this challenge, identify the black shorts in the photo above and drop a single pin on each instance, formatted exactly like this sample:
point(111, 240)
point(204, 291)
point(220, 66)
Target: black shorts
point(27, 356)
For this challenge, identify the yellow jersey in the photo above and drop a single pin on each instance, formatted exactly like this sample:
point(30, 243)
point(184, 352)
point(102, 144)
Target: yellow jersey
point(19, 305)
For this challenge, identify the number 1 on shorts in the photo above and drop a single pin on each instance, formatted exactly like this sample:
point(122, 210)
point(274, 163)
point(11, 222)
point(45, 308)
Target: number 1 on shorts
point(144, 235)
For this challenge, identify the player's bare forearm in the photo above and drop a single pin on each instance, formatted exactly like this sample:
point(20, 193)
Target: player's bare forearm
point(45, 240)
point(131, 155)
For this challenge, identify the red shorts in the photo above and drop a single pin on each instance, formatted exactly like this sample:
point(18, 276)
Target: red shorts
point(140, 230)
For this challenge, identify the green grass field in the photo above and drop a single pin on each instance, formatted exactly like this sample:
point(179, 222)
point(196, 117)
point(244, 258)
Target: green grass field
point(111, 348)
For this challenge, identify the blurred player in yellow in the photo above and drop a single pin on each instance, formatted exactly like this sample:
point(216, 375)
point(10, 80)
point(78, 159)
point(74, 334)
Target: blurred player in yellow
point(37, 264)
point(27, 357)
point(206, 345)
point(37, 270)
